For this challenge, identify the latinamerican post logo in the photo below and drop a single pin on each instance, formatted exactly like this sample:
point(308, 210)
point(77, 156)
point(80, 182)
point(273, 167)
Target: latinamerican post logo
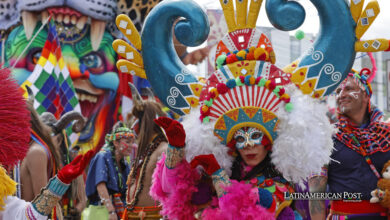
point(346, 196)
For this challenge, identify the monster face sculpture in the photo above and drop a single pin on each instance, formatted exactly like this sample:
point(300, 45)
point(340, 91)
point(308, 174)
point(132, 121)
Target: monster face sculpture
point(87, 51)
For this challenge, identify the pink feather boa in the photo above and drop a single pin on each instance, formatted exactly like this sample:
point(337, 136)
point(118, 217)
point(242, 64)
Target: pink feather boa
point(239, 202)
point(176, 205)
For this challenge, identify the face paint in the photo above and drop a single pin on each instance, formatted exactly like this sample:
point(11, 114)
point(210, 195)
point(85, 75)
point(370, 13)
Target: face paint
point(349, 97)
point(248, 137)
point(354, 95)
point(125, 146)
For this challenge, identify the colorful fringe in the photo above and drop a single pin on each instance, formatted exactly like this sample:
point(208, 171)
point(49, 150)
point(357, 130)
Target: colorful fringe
point(374, 138)
point(7, 187)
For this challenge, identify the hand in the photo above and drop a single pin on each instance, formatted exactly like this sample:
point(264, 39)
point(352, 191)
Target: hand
point(173, 130)
point(72, 170)
point(112, 216)
point(208, 162)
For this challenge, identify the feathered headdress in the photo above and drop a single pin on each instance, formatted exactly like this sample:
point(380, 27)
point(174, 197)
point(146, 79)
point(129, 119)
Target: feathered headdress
point(14, 131)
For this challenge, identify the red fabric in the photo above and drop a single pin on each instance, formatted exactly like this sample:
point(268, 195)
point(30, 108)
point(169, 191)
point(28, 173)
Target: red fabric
point(341, 207)
point(173, 130)
point(75, 168)
point(208, 162)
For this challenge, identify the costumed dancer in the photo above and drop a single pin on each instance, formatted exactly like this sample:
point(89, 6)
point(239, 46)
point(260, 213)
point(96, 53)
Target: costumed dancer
point(361, 151)
point(361, 141)
point(233, 136)
point(108, 171)
point(75, 199)
point(14, 146)
point(44, 150)
point(247, 100)
point(151, 143)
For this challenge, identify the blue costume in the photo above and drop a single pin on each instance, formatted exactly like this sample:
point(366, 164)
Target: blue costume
point(102, 169)
point(351, 173)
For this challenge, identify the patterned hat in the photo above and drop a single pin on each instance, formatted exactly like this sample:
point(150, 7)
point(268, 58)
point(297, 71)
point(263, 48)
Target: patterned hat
point(361, 79)
point(119, 133)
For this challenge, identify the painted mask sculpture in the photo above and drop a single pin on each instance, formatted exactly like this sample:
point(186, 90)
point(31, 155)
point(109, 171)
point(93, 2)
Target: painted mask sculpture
point(87, 52)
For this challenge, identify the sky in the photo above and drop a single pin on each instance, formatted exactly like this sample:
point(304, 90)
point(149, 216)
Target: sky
point(311, 25)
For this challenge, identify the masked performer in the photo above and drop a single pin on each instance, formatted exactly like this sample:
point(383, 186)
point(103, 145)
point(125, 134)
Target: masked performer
point(44, 151)
point(14, 147)
point(75, 199)
point(248, 108)
point(108, 171)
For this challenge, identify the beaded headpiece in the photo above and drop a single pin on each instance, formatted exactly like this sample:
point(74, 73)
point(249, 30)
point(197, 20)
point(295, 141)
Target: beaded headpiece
point(361, 79)
point(119, 133)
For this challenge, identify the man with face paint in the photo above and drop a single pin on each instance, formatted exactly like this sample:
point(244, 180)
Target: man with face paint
point(361, 149)
point(107, 174)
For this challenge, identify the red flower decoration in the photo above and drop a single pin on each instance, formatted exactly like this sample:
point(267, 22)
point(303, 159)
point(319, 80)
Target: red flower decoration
point(272, 85)
point(242, 78)
point(222, 88)
point(281, 91)
point(258, 80)
point(269, 182)
point(212, 95)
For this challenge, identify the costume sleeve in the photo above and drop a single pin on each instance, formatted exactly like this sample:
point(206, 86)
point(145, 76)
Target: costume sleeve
point(19, 210)
point(40, 207)
point(174, 188)
point(97, 173)
point(49, 196)
point(324, 172)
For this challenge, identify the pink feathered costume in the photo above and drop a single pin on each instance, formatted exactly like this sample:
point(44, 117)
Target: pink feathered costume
point(174, 188)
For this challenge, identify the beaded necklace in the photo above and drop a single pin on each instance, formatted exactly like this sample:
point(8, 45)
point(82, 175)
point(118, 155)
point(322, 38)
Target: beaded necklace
point(365, 155)
point(119, 174)
point(139, 169)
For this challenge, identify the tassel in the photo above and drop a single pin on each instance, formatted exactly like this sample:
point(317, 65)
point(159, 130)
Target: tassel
point(7, 187)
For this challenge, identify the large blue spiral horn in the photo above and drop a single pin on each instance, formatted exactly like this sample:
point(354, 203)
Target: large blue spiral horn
point(333, 53)
point(170, 79)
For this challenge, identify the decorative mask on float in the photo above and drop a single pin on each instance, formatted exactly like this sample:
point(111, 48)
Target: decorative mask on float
point(86, 49)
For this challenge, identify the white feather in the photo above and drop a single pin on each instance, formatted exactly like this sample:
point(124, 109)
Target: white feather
point(304, 142)
point(200, 139)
